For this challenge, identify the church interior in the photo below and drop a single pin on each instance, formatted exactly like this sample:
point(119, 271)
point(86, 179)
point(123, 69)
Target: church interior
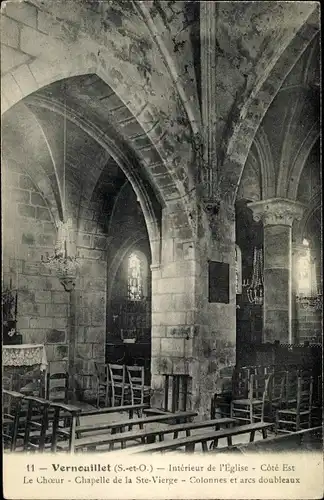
point(161, 224)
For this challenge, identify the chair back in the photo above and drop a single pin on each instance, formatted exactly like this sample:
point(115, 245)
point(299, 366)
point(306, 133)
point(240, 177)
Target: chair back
point(304, 391)
point(32, 383)
point(7, 387)
point(36, 424)
point(259, 386)
point(291, 389)
point(57, 386)
point(260, 370)
point(100, 371)
point(117, 375)
point(240, 381)
point(278, 386)
point(11, 406)
point(136, 381)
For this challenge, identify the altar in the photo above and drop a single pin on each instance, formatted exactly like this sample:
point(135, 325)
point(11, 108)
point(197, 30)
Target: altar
point(19, 359)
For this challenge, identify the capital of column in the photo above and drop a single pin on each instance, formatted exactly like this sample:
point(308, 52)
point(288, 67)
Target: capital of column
point(277, 211)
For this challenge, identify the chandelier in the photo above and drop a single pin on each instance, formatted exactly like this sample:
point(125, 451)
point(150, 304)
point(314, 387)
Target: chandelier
point(63, 264)
point(254, 288)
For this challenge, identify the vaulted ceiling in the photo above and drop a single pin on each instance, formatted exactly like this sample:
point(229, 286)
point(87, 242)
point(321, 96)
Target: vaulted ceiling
point(284, 157)
point(128, 78)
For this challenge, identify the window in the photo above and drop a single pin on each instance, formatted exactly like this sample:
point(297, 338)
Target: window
point(135, 278)
point(304, 271)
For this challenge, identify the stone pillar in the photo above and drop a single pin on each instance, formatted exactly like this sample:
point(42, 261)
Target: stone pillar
point(215, 344)
point(69, 286)
point(173, 304)
point(278, 215)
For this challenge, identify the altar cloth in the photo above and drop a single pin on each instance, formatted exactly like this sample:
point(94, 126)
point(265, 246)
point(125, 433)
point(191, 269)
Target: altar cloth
point(25, 355)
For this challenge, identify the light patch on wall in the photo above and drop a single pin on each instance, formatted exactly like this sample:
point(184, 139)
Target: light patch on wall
point(304, 271)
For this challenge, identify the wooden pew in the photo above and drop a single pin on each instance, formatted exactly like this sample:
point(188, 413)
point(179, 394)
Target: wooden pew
point(108, 441)
point(116, 409)
point(305, 440)
point(113, 427)
point(78, 412)
point(189, 442)
point(131, 409)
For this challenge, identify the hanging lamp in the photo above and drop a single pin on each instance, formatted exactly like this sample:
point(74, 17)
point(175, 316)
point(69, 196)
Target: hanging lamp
point(255, 289)
point(62, 263)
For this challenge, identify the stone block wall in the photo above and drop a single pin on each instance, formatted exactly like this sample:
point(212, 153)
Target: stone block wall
point(28, 233)
point(307, 325)
point(216, 341)
point(173, 303)
point(190, 335)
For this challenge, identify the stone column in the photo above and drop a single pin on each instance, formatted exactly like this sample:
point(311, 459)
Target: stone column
point(69, 286)
point(278, 215)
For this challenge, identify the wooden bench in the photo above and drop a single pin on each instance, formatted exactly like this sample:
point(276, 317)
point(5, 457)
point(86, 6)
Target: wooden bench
point(131, 409)
point(189, 442)
point(108, 441)
point(116, 409)
point(113, 427)
point(78, 412)
point(155, 411)
point(305, 440)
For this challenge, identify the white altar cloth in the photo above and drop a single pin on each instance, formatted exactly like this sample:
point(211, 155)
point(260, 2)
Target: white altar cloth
point(24, 355)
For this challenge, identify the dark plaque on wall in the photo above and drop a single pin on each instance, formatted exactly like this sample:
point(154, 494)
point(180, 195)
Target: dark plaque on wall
point(218, 276)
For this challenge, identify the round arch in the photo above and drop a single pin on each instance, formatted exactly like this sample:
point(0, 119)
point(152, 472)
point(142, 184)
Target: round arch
point(93, 52)
point(116, 150)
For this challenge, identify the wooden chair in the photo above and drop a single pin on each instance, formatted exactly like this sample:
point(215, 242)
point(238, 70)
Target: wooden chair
point(297, 415)
point(252, 408)
point(36, 424)
point(32, 383)
point(102, 380)
point(317, 405)
point(117, 383)
point(57, 385)
point(11, 404)
point(240, 381)
point(138, 391)
point(277, 392)
point(221, 404)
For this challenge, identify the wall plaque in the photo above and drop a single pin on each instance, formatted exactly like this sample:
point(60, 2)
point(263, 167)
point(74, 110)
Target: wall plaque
point(218, 282)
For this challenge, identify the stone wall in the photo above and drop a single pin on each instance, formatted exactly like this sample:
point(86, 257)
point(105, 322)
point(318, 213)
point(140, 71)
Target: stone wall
point(216, 339)
point(173, 302)
point(28, 233)
point(189, 335)
point(43, 304)
point(307, 325)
